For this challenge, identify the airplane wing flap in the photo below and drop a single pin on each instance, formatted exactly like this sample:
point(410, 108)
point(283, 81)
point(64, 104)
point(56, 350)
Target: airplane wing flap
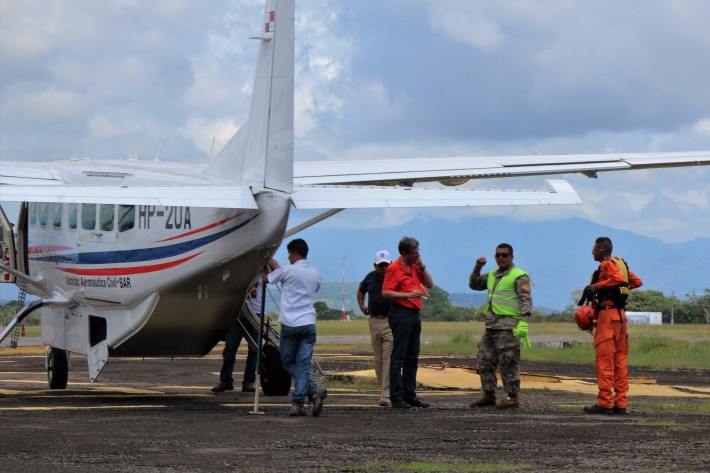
point(237, 197)
point(559, 193)
point(14, 173)
point(452, 175)
point(454, 171)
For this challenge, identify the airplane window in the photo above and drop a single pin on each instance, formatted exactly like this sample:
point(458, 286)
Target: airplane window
point(33, 213)
point(88, 216)
point(106, 217)
point(126, 217)
point(43, 214)
point(57, 210)
point(72, 214)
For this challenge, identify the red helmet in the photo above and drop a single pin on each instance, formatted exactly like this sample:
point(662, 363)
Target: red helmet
point(584, 316)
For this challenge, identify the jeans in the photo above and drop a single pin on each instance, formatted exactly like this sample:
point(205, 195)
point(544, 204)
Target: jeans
point(296, 347)
point(232, 340)
point(406, 329)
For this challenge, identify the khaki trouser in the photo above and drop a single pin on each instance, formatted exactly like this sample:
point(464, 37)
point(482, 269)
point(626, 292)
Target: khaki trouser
point(382, 340)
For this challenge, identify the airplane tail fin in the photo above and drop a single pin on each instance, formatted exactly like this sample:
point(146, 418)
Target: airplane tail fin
point(260, 154)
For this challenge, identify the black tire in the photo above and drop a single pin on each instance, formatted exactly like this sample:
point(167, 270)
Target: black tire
point(57, 368)
point(275, 380)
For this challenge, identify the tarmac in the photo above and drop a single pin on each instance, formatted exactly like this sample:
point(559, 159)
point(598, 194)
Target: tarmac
point(445, 375)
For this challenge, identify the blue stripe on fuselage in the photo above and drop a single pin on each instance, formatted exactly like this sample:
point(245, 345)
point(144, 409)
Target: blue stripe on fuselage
point(140, 255)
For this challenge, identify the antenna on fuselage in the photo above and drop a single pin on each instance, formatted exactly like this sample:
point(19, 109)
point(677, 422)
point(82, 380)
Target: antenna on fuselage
point(160, 150)
point(212, 149)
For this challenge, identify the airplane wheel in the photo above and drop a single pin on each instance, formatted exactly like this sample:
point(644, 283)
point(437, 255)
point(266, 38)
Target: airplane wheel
point(57, 368)
point(275, 380)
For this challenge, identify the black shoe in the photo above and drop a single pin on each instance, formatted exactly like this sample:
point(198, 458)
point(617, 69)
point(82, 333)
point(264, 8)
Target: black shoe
point(317, 401)
point(400, 404)
point(597, 409)
point(417, 402)
point(621, 411)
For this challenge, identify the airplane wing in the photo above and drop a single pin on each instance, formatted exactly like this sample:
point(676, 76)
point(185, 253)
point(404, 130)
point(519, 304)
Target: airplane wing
point(458, 170)
point(351, 197)
point(120, 182)
point(389, 183)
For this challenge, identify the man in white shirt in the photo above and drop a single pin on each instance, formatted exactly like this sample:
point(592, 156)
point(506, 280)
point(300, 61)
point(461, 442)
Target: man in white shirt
point(299, 283)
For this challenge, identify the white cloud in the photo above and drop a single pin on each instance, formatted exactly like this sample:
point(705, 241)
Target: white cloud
point(446, 78)
point(702, 126)
point(457, 20)
point(202, 133)
point(47, 105)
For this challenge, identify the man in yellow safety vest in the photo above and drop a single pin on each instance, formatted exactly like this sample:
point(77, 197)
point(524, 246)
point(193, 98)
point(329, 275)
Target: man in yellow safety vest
point(508, 308)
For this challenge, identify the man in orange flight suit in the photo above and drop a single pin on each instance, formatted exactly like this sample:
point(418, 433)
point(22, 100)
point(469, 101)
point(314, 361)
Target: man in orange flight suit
point(610, 337)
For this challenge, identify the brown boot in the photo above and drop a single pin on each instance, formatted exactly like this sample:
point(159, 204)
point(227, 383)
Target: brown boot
point(488, 399)
point(508, 402)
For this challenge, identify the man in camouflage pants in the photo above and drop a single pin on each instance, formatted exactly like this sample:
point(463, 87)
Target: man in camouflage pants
point(508, 308)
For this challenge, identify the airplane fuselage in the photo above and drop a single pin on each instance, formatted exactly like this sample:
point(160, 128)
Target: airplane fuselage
point(152, 280)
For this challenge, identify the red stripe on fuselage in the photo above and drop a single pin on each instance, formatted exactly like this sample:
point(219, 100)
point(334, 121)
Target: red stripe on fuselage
point(127, 271)
point(47, 249)
point(198, 230)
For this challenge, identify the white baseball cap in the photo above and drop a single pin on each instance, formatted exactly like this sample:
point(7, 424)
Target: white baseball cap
point(382, 256)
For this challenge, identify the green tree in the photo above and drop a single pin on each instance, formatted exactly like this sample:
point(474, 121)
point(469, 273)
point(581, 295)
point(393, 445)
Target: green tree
point(322, 310)
point(438, 306)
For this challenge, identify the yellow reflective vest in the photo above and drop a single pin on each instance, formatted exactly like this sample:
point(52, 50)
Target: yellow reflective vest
point(502, 298)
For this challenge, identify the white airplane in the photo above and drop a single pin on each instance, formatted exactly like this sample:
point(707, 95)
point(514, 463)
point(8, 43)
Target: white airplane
point(132, 258)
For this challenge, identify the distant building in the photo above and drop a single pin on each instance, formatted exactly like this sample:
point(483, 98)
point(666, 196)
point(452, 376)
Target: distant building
point(644, 318)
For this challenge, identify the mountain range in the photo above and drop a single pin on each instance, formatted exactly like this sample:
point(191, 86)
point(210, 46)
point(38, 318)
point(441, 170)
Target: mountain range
point(557, 254)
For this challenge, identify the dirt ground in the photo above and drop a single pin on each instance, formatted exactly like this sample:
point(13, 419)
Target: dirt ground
point(159, 415)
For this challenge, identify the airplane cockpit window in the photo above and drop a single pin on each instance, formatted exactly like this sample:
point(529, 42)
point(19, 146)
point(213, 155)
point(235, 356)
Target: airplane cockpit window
point(33, 213)
point(88, 216)
point(57, 210)
point(126, 217)
point(72, 215)
point(43, 214)
point(106, 217)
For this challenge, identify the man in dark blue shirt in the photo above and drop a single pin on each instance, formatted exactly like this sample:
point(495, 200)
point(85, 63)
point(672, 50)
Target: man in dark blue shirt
point(378, 309)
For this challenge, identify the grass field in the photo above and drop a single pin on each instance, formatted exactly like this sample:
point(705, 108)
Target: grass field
point(667, 346)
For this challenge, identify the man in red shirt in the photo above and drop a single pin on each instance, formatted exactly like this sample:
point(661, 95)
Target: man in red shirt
point(610, 337)
point(405, 286)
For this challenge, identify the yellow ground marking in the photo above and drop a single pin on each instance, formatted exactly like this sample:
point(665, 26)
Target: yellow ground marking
point(467, 379)
point(206, 388)
point(83, 408)
point(42, 381)
point(23, 373)
point(23, 350)
point(93, 389)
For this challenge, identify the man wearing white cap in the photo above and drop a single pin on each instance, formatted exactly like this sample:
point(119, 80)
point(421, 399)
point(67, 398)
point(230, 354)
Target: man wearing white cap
point(378, 309)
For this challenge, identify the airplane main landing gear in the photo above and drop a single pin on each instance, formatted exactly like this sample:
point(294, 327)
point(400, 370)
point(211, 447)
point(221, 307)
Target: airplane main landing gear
point(57, 368)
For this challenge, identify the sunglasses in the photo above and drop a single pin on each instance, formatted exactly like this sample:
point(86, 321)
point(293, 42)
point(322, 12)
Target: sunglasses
point(502, 255)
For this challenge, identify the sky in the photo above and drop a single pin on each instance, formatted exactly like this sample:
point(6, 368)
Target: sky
point(381, 79)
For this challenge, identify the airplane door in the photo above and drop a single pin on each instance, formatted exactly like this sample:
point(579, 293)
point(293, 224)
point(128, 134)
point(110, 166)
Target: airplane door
point(97, 223)
point(7, 247)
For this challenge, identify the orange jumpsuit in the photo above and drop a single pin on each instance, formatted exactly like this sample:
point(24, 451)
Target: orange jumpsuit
point(610, 340)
